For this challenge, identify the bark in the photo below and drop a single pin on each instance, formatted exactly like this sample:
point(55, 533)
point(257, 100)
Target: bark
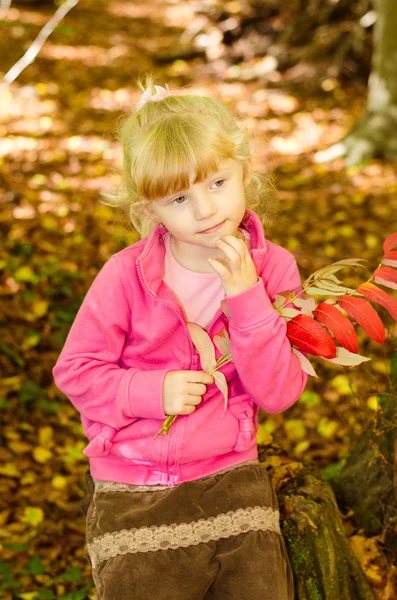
point(368, 481)
point(321, 556)
point(375, 134)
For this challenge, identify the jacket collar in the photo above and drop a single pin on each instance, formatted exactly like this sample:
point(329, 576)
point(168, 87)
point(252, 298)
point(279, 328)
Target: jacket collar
point(151, 260)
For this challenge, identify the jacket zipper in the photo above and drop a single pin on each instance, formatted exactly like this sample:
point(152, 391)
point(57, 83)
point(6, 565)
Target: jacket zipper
point(172, 441)
point(194, 361)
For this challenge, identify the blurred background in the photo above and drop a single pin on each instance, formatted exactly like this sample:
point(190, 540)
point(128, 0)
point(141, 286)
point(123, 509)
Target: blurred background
point(315, 84)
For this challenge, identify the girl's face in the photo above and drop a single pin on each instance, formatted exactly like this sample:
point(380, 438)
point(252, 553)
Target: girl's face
point(218, 200)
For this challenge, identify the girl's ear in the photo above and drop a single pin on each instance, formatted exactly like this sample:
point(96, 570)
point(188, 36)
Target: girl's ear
point(246, 175)
point(148, 212)
point(247, 179)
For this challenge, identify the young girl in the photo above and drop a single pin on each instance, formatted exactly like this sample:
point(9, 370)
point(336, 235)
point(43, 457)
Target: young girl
point(188, 514)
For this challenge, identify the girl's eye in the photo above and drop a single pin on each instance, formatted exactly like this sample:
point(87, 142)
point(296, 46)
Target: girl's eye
point(219, 180)
point(175, 201)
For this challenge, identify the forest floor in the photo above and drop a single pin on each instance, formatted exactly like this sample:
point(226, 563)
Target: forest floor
point(57, 153)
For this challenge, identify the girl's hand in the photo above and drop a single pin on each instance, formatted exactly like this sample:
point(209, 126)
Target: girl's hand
point(183, 391)
point(239, 273)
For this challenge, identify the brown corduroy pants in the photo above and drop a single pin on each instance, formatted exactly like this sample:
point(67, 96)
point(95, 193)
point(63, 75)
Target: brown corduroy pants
point(217, 537)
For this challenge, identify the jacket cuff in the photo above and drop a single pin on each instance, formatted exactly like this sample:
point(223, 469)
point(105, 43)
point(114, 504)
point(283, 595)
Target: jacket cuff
point(145, 395)
point(250, 307)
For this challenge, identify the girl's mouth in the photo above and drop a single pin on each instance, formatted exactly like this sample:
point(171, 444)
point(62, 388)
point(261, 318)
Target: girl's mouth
point(212, 229)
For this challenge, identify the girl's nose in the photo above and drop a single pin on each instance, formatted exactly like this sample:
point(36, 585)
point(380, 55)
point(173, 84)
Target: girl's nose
point(205, 207)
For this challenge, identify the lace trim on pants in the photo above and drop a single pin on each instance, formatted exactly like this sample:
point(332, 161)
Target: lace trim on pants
point(101, 487)
point(165, 537)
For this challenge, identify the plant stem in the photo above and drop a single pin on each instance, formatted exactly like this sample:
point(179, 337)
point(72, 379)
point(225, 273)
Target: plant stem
point(221, 361)
point(167, 423)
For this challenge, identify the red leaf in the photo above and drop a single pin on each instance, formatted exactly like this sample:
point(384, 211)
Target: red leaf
point(365, 315)
point(386, 276)
point(375, 294)
point(390, 242)
point(339, 325)
point(308, 335)
point(390, 258)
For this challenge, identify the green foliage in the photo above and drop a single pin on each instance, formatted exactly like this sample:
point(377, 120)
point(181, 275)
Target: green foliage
point(332, 471)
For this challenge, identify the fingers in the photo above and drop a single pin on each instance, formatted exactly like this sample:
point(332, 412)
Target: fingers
point(233, 248)
point(191, 404)
point(188, 409)
point(193, 400)
point(197, 389)
point(200, 377)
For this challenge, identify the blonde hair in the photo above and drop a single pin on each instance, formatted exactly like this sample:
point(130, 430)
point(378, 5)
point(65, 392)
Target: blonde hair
point(165, 139)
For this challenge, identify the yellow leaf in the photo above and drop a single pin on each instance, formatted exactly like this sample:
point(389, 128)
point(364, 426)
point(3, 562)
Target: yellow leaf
point(41, 88)
point(329, 250)
point(14, 383)
point(28, 478)
point(9, 470)
point(31, 341)
point(28, 595)
point(372, 241)
point(47, 246)
point(103, 212)
point(25, 273)
point(301, 447)
point(33, 515)
point(382, 366)
point(346, 231)
point(293, 244)
point(341, 384)
point(59, 482)
point(365, 549)
point(4, 516)
point(274, 461)
point(372, 402)
point(327, 428)
point(295, 429)
point(375, 575)
point(40, 308)
point(49, 222)
point(41, 455)
point(46, 435)
point(19, 447)
point(270, 425)
point(263, 437)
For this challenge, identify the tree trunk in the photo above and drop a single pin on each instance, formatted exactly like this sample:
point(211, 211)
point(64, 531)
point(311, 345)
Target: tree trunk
point(375, 134)
point(368, 481)
point(321, 556)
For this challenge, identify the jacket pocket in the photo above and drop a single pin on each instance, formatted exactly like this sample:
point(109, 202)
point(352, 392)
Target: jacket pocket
point(101, 440)
point(244, 412)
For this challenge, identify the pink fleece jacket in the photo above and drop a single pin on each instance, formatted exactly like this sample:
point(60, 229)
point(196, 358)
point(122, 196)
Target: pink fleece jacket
point(131, 330)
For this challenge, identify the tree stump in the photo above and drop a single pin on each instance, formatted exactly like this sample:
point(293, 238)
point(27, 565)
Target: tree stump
point(368, 481)
point(321, 556)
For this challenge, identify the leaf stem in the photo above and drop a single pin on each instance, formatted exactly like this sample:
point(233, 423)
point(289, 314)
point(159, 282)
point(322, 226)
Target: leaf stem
point(310, 282)
point(167, 423)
